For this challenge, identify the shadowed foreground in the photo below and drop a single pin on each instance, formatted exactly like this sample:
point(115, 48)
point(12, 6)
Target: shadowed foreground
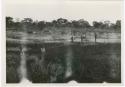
point(61, 63)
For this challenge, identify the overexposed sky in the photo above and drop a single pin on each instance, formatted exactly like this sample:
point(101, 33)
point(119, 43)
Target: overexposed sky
point(48, 10)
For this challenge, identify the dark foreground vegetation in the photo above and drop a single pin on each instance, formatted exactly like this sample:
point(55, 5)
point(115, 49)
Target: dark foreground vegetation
point(90, 64)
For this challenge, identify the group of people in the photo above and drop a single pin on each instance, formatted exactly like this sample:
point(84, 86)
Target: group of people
point(83, 36)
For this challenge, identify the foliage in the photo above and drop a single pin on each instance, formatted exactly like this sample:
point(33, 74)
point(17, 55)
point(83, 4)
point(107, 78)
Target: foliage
point(28, 24)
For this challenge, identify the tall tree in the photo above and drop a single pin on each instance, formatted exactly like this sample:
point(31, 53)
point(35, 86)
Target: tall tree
point(27, 20)
point(118, 23)
point(54, 23)
point(83, 23)
point(62, 22)
point(97, 24)
point(27, 23)
point(106, 24)
point(9, 22)
point(41, 24)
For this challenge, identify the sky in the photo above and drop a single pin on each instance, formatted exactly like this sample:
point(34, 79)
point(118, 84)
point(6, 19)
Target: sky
point(48, 10)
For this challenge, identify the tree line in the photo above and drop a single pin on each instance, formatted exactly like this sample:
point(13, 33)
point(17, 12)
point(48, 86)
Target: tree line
point(61, 22)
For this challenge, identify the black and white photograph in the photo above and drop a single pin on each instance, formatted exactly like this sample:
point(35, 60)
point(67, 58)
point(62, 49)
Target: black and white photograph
point(63, 41)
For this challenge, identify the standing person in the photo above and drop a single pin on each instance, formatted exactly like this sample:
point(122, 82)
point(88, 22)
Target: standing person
point(81, 38)
point(43, 51)
point(95, 37)
point(72, 40)
point(84, 36)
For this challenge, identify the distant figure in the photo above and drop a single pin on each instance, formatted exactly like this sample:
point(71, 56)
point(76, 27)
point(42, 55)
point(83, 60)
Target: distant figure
point(72, 40)
point(83, 37)
point(43, 50)
point(95, 37)
point(23, 50)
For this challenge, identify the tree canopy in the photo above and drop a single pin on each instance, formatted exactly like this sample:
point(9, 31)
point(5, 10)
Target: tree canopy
point(61, 22)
